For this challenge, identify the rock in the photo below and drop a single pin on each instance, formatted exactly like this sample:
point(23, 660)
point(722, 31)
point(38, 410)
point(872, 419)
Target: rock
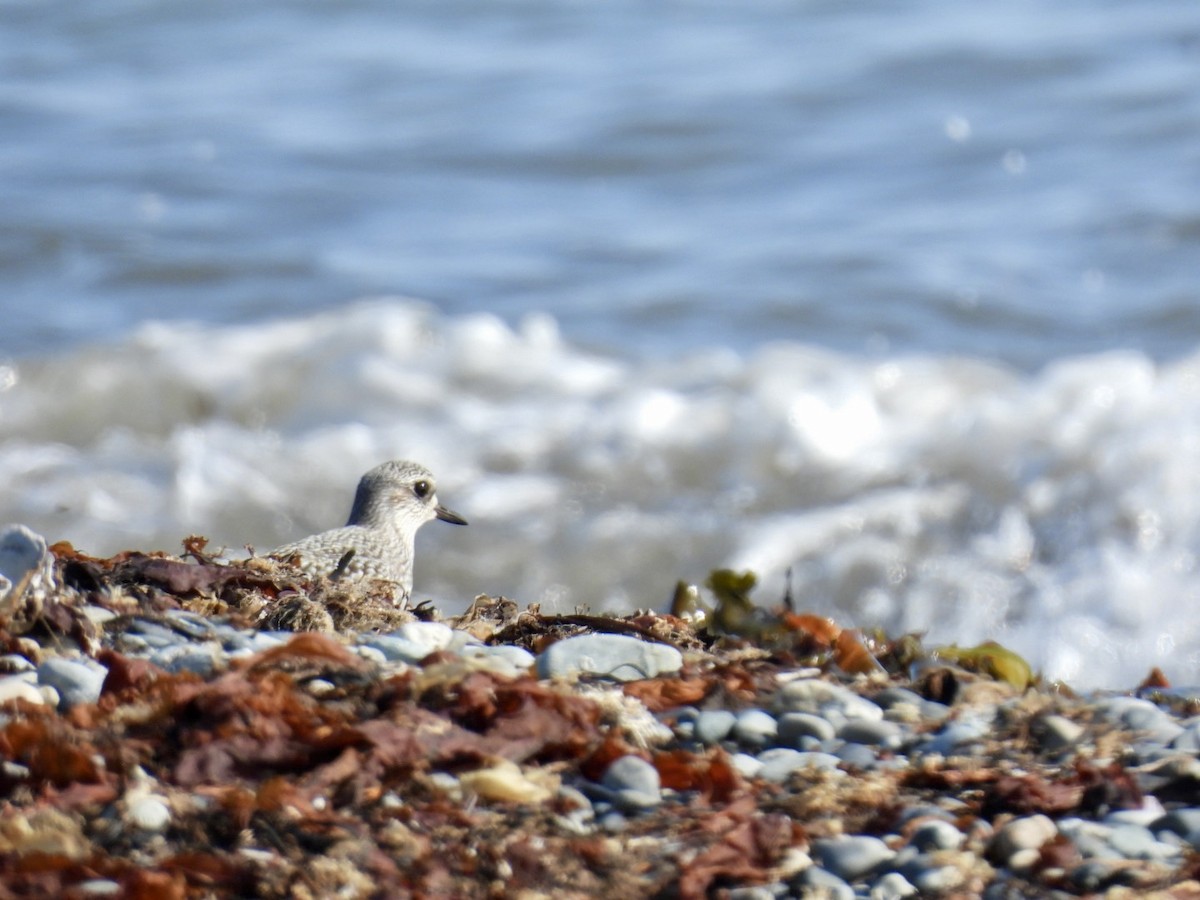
point(20, 687)
point(795, 726)
point(411, 642)
point(755, 728)
point(832, 701)
point(817, 882)
point(851, 858)
point(936, 835)
point(713, 726)
point(504, 781)
point(779, 763)
point(1025, 833)
point(1055, 733)
point(23, 559)
point(892, 886)
point(76, 682)
point(874, 732)
point(617, 656)
point(634, 784)
point(503, 659)
point(199, 659)
point(149, 813)
point(1136, 714)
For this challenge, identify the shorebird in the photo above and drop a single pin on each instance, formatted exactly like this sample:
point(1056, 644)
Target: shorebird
point(393, 500)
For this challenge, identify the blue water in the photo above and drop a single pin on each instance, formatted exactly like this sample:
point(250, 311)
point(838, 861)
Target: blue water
point(901, 298)
point(1016, 181)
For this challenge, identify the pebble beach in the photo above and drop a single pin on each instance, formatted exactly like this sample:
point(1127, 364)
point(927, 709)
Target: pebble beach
point(194, 727)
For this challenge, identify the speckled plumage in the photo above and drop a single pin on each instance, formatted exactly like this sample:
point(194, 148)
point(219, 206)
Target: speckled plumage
point(393, 500)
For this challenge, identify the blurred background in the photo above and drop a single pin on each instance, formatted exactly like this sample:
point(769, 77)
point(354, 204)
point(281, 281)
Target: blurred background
point(903, 298)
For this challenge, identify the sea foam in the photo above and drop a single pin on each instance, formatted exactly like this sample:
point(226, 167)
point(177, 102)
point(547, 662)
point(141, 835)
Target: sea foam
point(1055, 512)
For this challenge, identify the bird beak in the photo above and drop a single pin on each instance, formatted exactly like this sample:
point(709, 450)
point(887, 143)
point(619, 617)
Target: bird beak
point(447, 516)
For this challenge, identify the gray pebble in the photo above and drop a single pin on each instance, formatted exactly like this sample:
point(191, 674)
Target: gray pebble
point(892, 886)
point(817, 882)
point(617, 656)
point(834, 702)
point(21, 551)
point(795, 726)
point(1184, 822)
point(99, 887)
point(955, 736)
point(875, 732)
point(196, 627)
point(1136, 714)
point(633, 783)
point(755, 728)
point(152, 634)
point(411, 642)
point(11, 663)
point(149, 813)
point(758, 892)
point(1025, 833)
point(1055, 733)
point(76, 682)
point(1189, 739)
point(747, 766)
point(199, 659)
point(1138, 842)
point(713, 725)
point(857, 756)
point(936, 835)
point(779, 763)
point(851, 857)
point(934, 880)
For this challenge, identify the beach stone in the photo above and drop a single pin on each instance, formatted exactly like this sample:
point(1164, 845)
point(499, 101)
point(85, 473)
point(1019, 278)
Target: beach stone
point(1136, 714)
point(780, 762)
point(858, 756)
point(617, 656)
point(892, 886)
point(758, 892)
point(1189, 739)
point(795, 726)
point(1138, 842)
point(956, 735)
point(749, 767)
point(1025, 833)
point(149, 813)
point(196, 627)
point(873, 732)
point(199, 659)
point(22, 554)
point(713, 725)
point(1184, 822)
point(851, 857)
point(755, 728)
point(76, 682)
point(14, 662)
point(411, 642)
point(20, 687)
point(936, 834)
point(817, 882)
point(1055, 733)
point(633, 783)
point(832, 701)
point(503, 659)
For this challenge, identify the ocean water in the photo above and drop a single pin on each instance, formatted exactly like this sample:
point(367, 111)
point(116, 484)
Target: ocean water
point(901, 299)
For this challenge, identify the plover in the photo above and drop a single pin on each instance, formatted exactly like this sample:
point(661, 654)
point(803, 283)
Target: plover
point(393, 500)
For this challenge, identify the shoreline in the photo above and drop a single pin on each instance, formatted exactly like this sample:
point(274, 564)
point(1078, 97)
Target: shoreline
point(164, 734)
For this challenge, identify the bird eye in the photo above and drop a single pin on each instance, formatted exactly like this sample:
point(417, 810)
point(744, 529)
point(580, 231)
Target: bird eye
point(422, 489)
